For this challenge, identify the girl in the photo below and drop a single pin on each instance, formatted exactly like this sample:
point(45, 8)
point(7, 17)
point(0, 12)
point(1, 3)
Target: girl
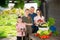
point(21, 29)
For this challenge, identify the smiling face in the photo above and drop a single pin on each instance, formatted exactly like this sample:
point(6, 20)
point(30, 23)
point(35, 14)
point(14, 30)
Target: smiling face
point(19, 20)
point(27, 11)
point(32, 9)
point(38, 12)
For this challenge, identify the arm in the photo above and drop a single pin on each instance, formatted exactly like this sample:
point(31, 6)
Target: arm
point(29, 24)
point(17, 28)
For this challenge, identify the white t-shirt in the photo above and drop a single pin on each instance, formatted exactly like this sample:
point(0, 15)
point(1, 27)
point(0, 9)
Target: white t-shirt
point(42, 18)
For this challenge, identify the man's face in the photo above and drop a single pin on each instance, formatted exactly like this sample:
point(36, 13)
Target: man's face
point(32, 10)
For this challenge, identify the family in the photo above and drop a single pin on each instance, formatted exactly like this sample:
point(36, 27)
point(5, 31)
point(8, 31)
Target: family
point(27, 24)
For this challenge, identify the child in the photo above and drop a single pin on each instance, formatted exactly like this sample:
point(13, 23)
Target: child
point(21, 29)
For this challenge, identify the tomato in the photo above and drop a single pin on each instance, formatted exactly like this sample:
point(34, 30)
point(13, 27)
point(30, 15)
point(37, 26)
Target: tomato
point(40, 20)
point(47, 36)
point(36, 34)
point(44, 36)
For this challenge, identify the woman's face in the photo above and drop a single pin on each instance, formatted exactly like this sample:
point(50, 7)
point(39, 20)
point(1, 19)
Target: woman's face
point(19, 20)
point(38, 12)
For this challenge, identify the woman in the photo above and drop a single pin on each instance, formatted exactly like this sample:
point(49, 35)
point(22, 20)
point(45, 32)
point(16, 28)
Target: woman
point(39, 17)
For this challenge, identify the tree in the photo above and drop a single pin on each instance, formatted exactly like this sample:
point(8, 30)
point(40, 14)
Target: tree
point(38, 2)
point(4, 3)
point(19, 4)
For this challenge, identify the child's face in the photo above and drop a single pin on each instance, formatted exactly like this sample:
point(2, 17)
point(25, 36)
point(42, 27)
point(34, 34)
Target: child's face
point(27, 12)
point(19, 20)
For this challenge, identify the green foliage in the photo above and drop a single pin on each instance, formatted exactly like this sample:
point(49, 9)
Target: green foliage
point(6, 30)
point(7, 25)
point(19, 4)
point(3, 34)
point(38, 2)
point(8, 19)
point(51, 21)
point(4, 3)
point(55, 33)
point(45, 32)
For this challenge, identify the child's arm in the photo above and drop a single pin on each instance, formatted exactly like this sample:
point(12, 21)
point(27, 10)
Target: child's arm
point(17, 28)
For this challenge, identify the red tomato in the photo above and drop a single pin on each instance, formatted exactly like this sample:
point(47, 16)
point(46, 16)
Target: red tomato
point(44, 36)
point(36, 34)
point(40, 20)
point(47, 36)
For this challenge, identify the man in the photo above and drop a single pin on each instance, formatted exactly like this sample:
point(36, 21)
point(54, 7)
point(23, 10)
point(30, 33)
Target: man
point(32, 15)
point(27, 19)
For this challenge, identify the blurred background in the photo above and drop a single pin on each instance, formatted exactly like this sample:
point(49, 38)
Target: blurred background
point(10, 9)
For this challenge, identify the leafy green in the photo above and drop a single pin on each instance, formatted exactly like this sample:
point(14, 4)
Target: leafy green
point(51, 21)
point(7, 25)
point(19, 4)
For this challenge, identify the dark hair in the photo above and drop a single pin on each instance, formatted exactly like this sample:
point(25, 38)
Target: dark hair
point(39, 11)
point(19, 17)
point(32, 7)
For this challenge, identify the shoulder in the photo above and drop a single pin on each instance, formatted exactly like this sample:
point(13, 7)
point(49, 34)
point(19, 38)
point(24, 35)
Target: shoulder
point(34, 13)
point(23, 17)
point(43, 17)
point(35, 17)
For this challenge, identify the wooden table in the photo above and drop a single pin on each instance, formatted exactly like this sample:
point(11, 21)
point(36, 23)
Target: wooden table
point(32, 37)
